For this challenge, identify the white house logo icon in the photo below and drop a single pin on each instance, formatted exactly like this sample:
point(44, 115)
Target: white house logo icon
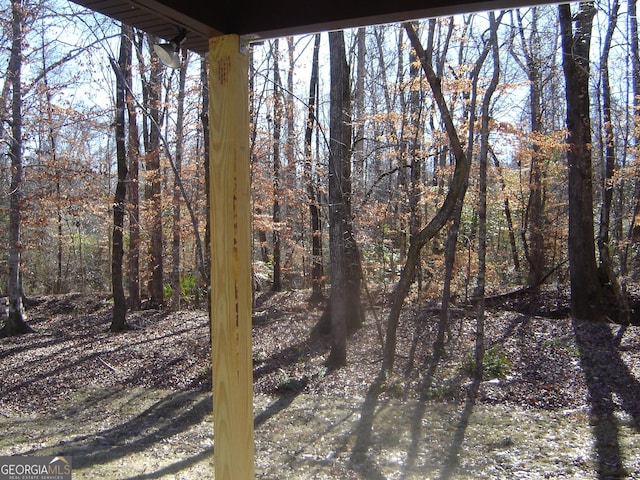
point(59, 459)
point(59, 466)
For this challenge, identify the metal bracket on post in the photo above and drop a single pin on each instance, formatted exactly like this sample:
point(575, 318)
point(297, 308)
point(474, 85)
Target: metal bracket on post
point(247, 40)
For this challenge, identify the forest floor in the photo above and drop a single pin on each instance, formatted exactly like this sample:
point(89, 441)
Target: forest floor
point(561, 399)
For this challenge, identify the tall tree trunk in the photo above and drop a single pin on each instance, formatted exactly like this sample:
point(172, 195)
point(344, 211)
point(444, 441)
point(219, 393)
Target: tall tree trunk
point(277, 129)
point(260, 231)
point(482, 208)
point(15, 323)
point(133, 190)
point(533, 231)
point(586, 294)
point(176, 293)
point(359, 113)
point(58, 283)
point(634, 231)
point(317, 269)
point(153, 187)
point(204, 118)
point(414, 110)
point(52, 150)
point(606, 263)
point(400, 192)
point(344, 306)
point(456, 218)
point(119, 320)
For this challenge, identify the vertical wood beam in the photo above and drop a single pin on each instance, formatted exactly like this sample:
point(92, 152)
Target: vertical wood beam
point(230, 260)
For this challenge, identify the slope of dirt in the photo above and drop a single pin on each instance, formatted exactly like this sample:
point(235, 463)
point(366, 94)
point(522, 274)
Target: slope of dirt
point(563, 397)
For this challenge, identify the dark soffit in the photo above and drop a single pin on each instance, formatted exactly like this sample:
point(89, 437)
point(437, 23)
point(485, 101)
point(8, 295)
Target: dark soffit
point(259, 19)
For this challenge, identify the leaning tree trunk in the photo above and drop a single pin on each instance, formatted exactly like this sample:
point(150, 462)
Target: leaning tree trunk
point(15, 323)
point(586, 293)
point(456, 189)
point(452, 238)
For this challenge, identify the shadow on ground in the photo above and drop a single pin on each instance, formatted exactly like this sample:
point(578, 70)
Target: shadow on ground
point(158, 428)
point(612, 388)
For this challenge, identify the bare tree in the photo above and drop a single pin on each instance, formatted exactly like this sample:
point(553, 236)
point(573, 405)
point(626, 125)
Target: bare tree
point(15, 323)
point(606, 262)
point(317, 268)
point(454, 228)
point(133, 192)
point(456, 190)
point(177, 194)
point(586, 294)
point(119, 319)
point(344, 305)
point(277, 192)
point(153, 187)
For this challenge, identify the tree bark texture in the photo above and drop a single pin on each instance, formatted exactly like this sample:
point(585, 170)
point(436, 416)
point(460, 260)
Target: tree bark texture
point(585, 287)
point(277, 130)
point(15, 323)
point(176, 293)
point(153, 188)
point(133, 189)
point(119, 319)
point(345, 307)
point(317, 268)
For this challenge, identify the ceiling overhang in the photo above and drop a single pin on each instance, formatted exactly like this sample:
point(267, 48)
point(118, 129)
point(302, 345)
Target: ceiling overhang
point(261, 19)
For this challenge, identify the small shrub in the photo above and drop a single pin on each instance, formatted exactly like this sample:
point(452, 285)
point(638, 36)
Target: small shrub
point(439, 390)
point(495, 363)
point(189, 291)
point(285, 383)
point(187, 286)
point(394, 387)
point(167, 290)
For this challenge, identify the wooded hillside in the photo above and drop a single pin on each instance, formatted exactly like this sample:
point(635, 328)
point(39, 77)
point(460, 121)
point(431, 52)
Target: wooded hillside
point(468, 152)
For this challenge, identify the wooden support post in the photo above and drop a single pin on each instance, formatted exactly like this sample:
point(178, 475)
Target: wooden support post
point(230, 260)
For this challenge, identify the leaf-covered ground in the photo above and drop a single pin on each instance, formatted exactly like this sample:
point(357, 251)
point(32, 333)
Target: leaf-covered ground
point(562, 399)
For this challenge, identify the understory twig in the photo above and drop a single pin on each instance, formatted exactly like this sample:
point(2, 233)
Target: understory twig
point(107, 365)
